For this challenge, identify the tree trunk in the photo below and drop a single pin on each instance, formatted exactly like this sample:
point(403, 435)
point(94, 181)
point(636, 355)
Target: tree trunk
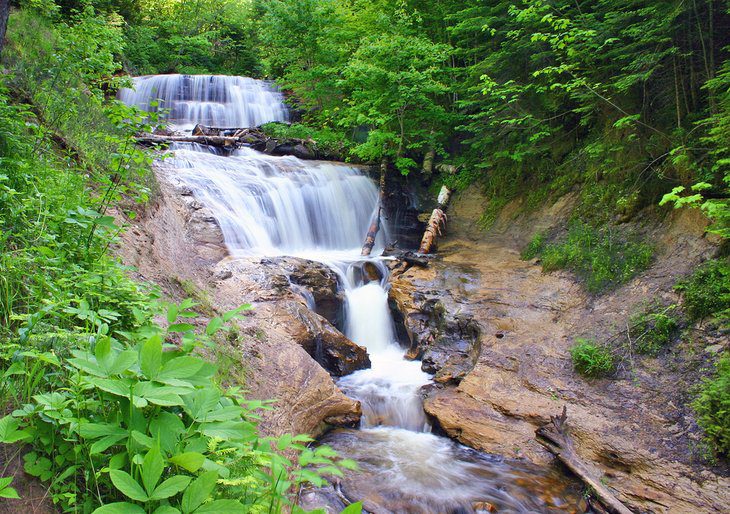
point(554, 436)
point(435, 222)
point(374, 228)
point(4, 14)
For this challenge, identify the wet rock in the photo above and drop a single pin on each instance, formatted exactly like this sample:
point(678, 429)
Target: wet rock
point(317, 279)
point(327, 345)
point(441, 333)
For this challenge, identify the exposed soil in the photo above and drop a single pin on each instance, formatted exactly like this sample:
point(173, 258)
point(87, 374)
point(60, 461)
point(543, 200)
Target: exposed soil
point(634, 429)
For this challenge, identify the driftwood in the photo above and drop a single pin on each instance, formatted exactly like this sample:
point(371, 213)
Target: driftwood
point(435, 222)
point(554, 436)
point(232, 138)
point(152, 139)
point(374, 227)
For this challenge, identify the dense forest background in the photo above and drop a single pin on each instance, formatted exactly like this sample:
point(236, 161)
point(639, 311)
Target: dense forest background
point(625, 104)
point(626, 100)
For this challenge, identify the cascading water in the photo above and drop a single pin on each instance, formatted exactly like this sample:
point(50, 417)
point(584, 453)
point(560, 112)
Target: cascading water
point(214, 100)
point(283, 206)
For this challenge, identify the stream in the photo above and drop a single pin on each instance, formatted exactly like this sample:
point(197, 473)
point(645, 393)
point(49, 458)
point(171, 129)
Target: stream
point(281, 206)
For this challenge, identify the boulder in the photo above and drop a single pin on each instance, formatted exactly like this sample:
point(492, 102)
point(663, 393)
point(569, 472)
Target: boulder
point(314, 280)
point(327, 345)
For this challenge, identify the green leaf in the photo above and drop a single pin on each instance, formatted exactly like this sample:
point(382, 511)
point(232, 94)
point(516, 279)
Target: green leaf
point(96, 430)
point(228, 430)
point(353, 508)
point(103, 350)
point(9, 432)
point(9, 493)
point(180, 367)
point(199, 491)
point(127, 485)
point(191, 461)
point(119, 508)
point(166, 509)
point(222, 507)
point(152, 467)
point(105, 443)
point(150, 356)
point(181, 327)
point(172, 310)
point(123, 362)
point(214, 325)
point(170, 487)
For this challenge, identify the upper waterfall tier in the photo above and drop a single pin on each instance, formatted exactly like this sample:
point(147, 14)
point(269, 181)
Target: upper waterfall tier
point(214, 100)
point(269, 205)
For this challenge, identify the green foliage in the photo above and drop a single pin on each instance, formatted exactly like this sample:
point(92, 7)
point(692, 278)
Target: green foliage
point(200, 36)
point(141, 421)
point(652, 330)
point(5, 490)
point(534, 247)
point(591, 359)
point(329, 141)
point(602, 258)
point(707, 291)
point(118, 418)
point(713, 407)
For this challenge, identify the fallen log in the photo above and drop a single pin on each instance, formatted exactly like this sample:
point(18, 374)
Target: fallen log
point(374, 228)
point(555, 438)
point(435, 222)
point(225, 141)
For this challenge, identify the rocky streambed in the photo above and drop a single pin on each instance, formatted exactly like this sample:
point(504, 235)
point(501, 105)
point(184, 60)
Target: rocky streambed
point(492, 330)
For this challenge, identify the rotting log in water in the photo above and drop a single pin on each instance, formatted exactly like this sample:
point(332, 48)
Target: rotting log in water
point(554, 436)
point(374, 228)
point(435, 222)
point(152, 139)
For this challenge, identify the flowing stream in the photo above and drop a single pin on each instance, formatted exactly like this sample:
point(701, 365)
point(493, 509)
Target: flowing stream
point(269, 206)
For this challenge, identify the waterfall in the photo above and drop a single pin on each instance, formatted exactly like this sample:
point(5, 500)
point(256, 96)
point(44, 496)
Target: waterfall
point(213, 100)
point(268, 206)
point(388, 390)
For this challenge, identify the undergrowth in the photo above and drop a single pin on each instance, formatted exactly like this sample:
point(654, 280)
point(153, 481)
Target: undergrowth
point(712, 406)
point(591, 359)
point(110, 415)
point(329, 141)
point(602, 258)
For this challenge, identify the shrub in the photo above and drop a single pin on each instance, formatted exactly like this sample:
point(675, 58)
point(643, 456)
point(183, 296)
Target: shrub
point(600, 257)
point(592, 360)
point(707, 291)
point(651, 331)
point(329, 141)
point(713, 407)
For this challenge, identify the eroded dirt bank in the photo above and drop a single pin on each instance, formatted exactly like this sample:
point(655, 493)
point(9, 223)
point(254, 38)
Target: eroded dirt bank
point(635, 430)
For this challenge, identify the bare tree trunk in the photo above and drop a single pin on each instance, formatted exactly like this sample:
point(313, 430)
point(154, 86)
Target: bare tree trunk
point(435, 222)
point(4, 14)
point(374, 228)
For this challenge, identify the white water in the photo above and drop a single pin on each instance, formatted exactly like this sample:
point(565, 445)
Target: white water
point(213, 100)
point(388, 390)
point(270, 206)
